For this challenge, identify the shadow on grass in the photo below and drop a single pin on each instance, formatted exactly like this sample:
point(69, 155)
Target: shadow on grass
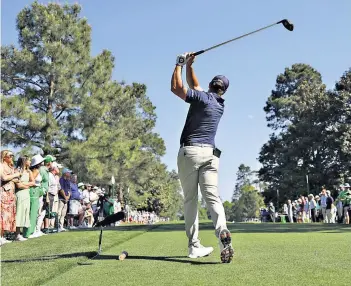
point(178, 259)
point(52, 257)
point(94, 256)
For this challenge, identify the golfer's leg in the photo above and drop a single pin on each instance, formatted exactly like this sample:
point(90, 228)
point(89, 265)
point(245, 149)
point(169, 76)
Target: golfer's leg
point(208, 180)
point(188, 176)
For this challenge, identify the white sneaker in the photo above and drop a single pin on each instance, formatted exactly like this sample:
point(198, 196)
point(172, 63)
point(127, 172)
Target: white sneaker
point(40, 233)
point(3, 241)
point(72, 227)
point(32, 236)
point(36, 234)
point(20, 238)
point(199, 251)
point(225, 246)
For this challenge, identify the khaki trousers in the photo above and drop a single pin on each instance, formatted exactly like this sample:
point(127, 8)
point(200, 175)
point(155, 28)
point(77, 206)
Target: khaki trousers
point(197, 166)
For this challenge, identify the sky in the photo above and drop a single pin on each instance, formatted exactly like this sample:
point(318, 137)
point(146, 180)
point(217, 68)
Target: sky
point(146, 36)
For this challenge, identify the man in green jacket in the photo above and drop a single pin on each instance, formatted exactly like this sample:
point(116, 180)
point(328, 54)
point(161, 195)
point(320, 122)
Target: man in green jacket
point(345, 198)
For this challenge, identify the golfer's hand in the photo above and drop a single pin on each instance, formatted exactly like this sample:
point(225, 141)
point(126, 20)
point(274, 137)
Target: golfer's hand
point(181, 59)
point(190, 58)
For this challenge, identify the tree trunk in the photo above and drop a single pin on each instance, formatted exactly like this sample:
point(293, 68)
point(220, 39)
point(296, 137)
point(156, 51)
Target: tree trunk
point(47, 136)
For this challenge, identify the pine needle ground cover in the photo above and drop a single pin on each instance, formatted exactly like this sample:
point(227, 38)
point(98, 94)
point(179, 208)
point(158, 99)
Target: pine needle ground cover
point(266, 254)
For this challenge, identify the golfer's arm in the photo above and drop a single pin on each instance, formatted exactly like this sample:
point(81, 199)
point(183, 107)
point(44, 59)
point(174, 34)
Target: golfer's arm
point(177, 86)
point(192, 79)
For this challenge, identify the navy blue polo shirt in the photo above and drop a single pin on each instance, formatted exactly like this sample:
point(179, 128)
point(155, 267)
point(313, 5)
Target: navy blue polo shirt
point(205, 112)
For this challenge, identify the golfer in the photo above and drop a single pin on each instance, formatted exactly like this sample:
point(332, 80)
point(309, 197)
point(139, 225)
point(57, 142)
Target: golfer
point(198, 157)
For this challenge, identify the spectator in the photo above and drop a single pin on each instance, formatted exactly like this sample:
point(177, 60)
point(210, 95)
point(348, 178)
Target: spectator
point(345, 199)
point(93, 197)
point(86, 192)
point(339, 203)
point(81, 188)
point(324, 204)
point(295, 207)
point(7, 191)
point(290, 211)
point(271, 211)
point(319, 217)
point(347, 203)
point(43, 200)
point(64, 196)
point(23, 197)
point(306, 210)
point(300, 207)
point(329, 203)
point(35, 192)
point(74, 204)
point(88, 213)
point(54, 187)
point(312, 207)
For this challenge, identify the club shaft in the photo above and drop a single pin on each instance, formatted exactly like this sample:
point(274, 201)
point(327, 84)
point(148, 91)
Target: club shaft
point(100, 239)
point(237, 38)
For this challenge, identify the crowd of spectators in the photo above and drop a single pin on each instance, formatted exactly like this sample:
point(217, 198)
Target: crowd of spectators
point(39, 196)
point(314, 208)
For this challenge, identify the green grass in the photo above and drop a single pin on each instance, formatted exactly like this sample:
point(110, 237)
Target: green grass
point(266, 254)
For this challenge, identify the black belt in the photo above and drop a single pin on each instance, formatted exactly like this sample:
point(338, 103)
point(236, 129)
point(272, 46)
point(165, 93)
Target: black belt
point(196, 144)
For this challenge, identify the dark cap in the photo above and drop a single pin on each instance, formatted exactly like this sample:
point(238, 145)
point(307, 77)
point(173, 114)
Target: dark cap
point(223, 79)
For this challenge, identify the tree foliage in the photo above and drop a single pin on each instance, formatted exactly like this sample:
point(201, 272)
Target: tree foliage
point(57, 97)
point(246, 199)
point(243, 177)
point(311, 133)
point(249, 204)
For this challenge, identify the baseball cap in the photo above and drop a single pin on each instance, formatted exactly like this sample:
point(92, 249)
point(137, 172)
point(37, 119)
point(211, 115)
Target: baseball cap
point(80, 184)
point(49, 158)
point(223, 79)
point(65, 170)
point(346, 185)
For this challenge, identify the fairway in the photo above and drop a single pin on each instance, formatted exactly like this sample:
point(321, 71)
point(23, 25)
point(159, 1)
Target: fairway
point(266, 254)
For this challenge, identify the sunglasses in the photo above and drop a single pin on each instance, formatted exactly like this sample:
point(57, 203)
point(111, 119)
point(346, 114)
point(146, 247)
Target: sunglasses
point(10, 155)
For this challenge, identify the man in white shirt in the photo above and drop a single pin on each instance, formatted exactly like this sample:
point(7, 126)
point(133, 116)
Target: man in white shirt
point(54, 187)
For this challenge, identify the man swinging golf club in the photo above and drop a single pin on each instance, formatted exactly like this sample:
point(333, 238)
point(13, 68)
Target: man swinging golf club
point(198, 158)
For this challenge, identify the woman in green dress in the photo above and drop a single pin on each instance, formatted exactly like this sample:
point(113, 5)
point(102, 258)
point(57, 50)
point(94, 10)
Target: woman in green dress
point(23, 196)
point(35, 192)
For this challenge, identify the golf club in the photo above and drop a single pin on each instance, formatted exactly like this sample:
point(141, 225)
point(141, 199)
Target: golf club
point(288, 25)
point(107, 221)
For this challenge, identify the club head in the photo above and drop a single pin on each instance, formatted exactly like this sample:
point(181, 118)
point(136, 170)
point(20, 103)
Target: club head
point(288, 25)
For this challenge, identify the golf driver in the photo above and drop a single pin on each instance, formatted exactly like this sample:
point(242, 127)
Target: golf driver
point(107, 221)
point(288, 25)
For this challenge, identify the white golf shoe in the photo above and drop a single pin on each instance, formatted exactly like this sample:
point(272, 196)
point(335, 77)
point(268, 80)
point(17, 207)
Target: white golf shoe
point(225, 245)
point(199, 251)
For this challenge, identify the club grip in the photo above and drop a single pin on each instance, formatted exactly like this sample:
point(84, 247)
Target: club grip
point(198, 53)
